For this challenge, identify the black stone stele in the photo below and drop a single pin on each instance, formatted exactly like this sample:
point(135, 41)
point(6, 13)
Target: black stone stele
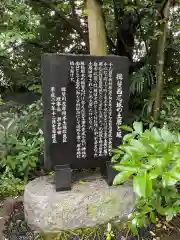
point(85, 101)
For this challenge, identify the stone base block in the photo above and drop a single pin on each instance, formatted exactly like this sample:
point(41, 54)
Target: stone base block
point(88, 204)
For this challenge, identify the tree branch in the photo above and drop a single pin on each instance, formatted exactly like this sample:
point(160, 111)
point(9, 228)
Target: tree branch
point(141, 30)
point(73, 8)
point(109, 40)
point(110, 43)
point(116, 13)
point(74, 15)
point(73, 23)
point(125, 47)
point(160, 59)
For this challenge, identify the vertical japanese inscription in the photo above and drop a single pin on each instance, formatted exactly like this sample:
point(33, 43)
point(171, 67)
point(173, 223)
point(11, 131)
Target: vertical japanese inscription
point(95, 113)
point(119, 104)
point(100, 83)
point(100, 110)
point(80, 81)
point(83, 110)
point(90, 96)
point(105, 109)
point(53, 115)
point(64, 114)
point(110, 84)
point(59, 117)
point(78, 111)
point(72, 71)
point(99, 90)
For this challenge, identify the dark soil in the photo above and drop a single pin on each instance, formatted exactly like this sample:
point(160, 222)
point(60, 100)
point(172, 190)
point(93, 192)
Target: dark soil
point(16, 227)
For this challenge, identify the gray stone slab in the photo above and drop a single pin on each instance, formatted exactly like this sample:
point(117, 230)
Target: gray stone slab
point(88, 204)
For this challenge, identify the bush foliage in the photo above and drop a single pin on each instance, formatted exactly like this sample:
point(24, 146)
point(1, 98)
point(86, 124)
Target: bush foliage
point(151, 158)
point(21, 144)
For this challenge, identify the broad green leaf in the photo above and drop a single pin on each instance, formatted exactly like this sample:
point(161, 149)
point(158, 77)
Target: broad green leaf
point(142, 185)
point(175, 174)
point(153, 217)
point(156, 201)
point(146, 209)
point(126, 167)
point(146, 166)
point(170, 213)
point(126, 128)
point(141, 221)
point(154, 174)
point(115, 158)
point(156, 133)
point(125, 159)
point(122, 177)
point(138, 145)
point(158, 162)
point(167, 136)
point(148, 186)
point(167, 180)
point(139, 185)
point(129, 149)
point(129, 136)
point(138, 127)
point(117, 151)
point(134, 226)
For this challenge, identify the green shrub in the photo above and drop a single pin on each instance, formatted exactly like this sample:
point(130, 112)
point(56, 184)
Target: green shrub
point(30, 120)
point(23, 156)
point(9, 185)
point(171, 111)
point(21, 144)
point(151, 158)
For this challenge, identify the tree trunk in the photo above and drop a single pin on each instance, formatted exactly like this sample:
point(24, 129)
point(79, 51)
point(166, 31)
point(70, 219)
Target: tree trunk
point(160, 61)
point(97, 30)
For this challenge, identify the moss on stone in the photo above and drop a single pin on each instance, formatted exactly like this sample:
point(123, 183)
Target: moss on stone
point(107, 205)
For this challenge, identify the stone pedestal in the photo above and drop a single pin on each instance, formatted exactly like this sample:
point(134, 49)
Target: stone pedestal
point(88, 204)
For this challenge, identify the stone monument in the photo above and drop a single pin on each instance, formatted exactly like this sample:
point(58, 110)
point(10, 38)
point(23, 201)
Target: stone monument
point(85, 101)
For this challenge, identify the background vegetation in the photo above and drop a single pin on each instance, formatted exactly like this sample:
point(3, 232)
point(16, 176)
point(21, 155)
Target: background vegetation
point(145, 31)
point(133, 28)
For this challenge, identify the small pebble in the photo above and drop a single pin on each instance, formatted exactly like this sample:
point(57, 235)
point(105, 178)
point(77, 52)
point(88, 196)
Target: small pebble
point(152, 233)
